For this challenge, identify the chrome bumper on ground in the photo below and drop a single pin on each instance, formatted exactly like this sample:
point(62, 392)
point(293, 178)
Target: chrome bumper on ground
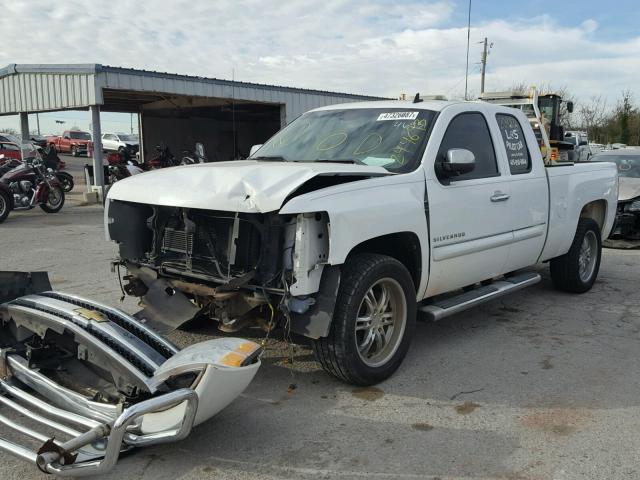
point(92, 447)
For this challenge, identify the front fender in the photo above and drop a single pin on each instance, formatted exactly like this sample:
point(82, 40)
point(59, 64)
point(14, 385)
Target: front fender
point(368, 209)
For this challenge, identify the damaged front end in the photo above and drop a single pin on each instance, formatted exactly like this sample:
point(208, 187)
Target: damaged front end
point(236, 268)
point(81, 382)
point(627, 226)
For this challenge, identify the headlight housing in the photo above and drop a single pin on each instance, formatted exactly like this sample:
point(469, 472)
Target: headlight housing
point(633, 207)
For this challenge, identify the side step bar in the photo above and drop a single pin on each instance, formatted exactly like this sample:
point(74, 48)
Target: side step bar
point(452, 305)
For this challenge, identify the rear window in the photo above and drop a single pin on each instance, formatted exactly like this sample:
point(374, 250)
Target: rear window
point(80, 135)
point(514, 144)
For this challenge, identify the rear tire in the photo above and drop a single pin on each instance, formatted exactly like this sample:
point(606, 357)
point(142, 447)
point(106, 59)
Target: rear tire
point(5, 205)
point(51, 205)
point(577, 270)
point(373, 321)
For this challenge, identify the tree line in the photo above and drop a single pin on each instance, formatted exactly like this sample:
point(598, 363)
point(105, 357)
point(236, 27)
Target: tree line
point(620, 124)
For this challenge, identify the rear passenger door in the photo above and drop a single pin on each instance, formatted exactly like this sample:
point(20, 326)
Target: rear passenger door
point(469, 215)
point(529, 200)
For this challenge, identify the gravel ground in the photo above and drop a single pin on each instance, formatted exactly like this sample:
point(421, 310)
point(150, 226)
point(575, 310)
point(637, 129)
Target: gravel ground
point(536, 385)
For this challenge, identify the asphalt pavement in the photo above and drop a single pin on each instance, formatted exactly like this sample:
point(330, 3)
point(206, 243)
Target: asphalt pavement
point(535, 385)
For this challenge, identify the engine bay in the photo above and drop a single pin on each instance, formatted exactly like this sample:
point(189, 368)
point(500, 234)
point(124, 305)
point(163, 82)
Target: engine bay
point(236, 268)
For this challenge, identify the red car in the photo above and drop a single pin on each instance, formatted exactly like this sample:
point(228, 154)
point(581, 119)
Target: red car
point(10, 150)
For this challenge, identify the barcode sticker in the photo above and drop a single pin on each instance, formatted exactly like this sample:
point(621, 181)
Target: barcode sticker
point(397, 116)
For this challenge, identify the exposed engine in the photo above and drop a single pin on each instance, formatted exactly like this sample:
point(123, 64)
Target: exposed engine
point(231, 267)
point(22, 192)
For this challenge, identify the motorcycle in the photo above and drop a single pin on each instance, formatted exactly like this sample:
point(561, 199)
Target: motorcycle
point(163, 159)
point(197, 156)
point(121, 166)
point(27, 185)
point(51, 160)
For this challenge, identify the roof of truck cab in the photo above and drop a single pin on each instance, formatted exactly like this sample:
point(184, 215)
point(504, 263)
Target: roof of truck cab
point(434, 105)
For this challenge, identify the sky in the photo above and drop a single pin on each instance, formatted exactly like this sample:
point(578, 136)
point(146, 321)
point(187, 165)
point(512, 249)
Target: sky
point(373, 47)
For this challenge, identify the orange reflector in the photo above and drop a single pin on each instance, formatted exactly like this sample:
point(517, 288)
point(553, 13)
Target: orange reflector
point(233, 359)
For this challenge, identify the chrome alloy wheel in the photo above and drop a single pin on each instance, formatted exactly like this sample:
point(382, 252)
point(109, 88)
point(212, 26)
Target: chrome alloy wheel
point(381, 321)
point(588, 256)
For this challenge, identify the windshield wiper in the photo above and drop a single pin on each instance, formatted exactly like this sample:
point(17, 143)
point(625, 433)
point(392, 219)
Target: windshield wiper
point(340, 160)
point(272, 158)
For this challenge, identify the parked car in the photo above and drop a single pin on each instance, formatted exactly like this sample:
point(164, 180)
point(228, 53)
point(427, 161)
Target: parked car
point(38, 140)
point(10, 150)
point(7, 137)
point(355, 216)
point(115, 142)
point(580, 142)
point(74, 142)
point(627, 161)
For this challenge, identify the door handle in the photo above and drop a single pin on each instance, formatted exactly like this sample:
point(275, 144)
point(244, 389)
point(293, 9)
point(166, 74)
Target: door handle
point(499, 197)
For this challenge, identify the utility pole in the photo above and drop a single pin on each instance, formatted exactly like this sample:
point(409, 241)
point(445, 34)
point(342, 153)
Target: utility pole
point(483, 61)
point(466, 71)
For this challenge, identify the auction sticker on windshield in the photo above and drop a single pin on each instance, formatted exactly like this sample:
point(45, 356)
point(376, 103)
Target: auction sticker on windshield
point(397, 116)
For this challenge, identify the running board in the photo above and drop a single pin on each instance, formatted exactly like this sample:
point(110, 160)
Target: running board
point(452, 305)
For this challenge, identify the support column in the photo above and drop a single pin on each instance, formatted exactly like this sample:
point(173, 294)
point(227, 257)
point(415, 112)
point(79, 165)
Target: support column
point(24, 126)
point(141, 137)
point(98, 171)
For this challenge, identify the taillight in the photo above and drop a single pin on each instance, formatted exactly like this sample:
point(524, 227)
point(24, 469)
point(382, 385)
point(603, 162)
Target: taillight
point(554, 154)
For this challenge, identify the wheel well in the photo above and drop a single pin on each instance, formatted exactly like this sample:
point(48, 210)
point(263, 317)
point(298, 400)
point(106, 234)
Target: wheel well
point(596, 210)
point(403, 246)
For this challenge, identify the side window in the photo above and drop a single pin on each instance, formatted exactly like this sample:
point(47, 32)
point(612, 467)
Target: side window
point(514, 144)
point(471, 132)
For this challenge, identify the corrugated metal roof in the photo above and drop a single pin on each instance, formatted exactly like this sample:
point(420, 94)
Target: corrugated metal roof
point(45, 87)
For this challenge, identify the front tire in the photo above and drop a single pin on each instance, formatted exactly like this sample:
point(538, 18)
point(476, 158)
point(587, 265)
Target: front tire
point(577, 270)
point(74, 151)
point(55, 200)
point(373, 321)
point(5, 205)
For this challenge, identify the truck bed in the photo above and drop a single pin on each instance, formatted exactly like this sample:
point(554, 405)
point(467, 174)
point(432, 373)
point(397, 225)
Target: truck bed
point(570, 187)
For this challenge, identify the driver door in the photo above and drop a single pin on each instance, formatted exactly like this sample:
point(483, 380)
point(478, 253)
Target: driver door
point(469, 215)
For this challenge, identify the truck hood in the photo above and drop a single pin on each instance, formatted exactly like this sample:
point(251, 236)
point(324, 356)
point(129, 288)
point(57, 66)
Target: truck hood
point(247, 186)
point(628, 188)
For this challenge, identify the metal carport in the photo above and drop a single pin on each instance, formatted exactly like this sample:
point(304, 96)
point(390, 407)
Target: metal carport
point(172, 108)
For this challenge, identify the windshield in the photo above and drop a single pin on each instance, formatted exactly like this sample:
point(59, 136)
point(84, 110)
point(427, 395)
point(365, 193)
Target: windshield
point(128, 138)
point(393, 138)
point(80, 135)
point(628, 165)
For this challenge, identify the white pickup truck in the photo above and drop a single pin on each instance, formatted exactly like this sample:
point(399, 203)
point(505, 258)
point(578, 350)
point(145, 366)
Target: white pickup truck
point(354, 217)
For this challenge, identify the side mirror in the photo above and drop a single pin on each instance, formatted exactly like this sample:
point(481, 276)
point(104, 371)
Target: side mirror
point(254, 149)
point(457, 162)
point(67, 137)
point(570, 107)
